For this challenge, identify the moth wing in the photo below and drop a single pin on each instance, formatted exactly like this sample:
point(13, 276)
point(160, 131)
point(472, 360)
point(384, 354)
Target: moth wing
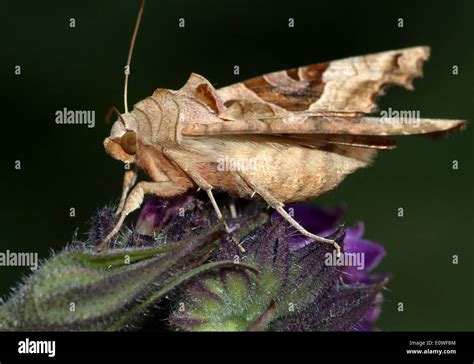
point(246, 118)
point(310, 124)
point(202, 90)
point(325, 101)
point(349, 85)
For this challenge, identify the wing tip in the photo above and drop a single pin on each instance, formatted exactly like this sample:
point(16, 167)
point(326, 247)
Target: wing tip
point(451, 127)
point(455, 124)
point(411, 61)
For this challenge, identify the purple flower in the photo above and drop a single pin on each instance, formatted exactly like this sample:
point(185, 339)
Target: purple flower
point(157, 212)
point(337, 295)
point(324, 221)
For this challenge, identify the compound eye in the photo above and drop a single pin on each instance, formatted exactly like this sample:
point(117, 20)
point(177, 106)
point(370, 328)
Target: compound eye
point(129, 142)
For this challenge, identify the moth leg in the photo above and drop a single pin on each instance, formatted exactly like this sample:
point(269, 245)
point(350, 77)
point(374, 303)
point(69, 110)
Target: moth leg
point(220, 217)
point(208, 189)
point(197, 178)
point(305, 232)
point(182, 160)
point(135, 199)
point(202, 183)
point(233, 210)
point(129, 179)
point(216, 206)
point(278, 206)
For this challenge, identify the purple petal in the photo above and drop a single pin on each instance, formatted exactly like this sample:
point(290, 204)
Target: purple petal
point(374, 313)
point(314, 218)
point(373, 252)
point(342, 308)
point(158, 211)
point(356, 232)
point(367, 323)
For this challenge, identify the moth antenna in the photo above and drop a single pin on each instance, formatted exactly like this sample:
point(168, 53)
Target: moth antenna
point(115, 110)
point(130, 52)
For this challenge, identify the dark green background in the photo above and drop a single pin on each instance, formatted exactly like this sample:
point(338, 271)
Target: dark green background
point(81, 68)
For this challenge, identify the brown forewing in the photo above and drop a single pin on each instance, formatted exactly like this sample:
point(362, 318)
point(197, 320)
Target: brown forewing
point(324, 102)
point(349, 85)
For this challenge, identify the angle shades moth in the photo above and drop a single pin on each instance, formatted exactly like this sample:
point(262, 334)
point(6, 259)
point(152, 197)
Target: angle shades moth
point(307, 128)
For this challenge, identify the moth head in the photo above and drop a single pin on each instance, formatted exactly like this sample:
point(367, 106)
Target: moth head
point(122, 144)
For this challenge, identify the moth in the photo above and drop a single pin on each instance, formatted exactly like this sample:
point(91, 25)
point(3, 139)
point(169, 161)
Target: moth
point(305, 128)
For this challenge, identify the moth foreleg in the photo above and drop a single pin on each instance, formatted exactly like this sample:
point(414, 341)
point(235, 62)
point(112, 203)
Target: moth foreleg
point(135, 199)
point(129, 179)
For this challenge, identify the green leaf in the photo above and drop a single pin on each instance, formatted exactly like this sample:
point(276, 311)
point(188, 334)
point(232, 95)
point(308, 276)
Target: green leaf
point(83, 290)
